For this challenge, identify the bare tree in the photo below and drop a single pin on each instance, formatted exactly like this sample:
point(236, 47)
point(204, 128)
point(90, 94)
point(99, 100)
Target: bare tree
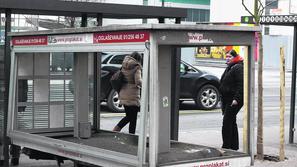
point(258, 12)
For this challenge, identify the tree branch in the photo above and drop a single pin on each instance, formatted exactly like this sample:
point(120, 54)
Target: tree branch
point(261, 4)
point(242, 2)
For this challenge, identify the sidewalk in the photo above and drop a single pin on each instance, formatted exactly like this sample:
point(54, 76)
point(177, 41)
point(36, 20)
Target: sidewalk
point(212, 137)
point(271, 144)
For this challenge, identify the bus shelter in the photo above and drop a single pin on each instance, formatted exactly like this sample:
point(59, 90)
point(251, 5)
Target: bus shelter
point(45, 116)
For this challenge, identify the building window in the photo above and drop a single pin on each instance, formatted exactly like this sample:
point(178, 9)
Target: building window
point(197, 15)
point(270, 4)
point(266, 30)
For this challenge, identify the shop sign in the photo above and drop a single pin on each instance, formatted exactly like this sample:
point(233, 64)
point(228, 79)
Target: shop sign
point(118, 37)
point(70, 39)
point(278, 19)
point(30, 40)
point(198, 38)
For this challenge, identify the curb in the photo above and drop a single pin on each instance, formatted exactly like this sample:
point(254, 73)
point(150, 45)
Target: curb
point(182, 112)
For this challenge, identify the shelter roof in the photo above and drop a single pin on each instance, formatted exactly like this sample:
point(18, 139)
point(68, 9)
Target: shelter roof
point(178, 27)
point(91, 9)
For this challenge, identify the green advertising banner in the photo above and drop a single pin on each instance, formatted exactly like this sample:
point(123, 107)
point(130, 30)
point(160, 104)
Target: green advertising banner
point(198, 2)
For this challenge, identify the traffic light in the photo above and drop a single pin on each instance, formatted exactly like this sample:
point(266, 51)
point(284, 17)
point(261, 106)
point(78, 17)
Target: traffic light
point(247, 19)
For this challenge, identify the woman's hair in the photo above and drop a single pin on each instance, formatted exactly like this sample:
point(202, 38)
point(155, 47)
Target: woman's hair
point(232, 53)
point(136, 56)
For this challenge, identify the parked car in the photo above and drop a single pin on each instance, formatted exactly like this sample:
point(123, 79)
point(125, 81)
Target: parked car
point(195, 84)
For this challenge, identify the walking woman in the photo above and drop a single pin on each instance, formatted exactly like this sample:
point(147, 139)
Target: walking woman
point(231, 88)
point(130, 92)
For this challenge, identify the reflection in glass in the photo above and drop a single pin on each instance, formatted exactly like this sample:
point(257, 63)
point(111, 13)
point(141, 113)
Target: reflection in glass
point(57, 63)
point(56, 90)
point(91, 86)
point(68, 62)
point(25, 64)
point(56, 116)
point(69, 92)
point(23, 90)
point(25, 119)
point(41, 64)
point(41, 116)
point(41, 90)
point(69, 114)
point(1, 104)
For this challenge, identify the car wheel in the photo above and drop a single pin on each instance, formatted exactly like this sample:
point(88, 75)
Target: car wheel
point(207, 97)
point(113, 102)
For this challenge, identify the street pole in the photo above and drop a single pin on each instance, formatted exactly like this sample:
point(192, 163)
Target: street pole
point(6, 82)
point(293, 89)
point(282, 105)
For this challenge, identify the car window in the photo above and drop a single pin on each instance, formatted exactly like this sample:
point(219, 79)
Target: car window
point(182, 68)
point(105, 58)
point(118, 59)
point(187, 68)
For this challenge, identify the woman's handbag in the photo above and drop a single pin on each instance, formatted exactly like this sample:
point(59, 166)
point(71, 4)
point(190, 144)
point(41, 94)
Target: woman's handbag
point(117, 80)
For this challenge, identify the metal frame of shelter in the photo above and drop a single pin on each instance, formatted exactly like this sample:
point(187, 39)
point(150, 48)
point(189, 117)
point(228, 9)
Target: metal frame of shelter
point(159, 43)
point(71, 9)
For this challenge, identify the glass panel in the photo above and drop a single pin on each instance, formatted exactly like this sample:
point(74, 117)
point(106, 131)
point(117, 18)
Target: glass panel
point(189, 15)
point(41, 64)
point(1, 105)
point(196, 15)
point(91, 86)
point(117, 59)
point(41, 90)
point(41, 116)
point(57, 63)
point(57, 116)
point(25, 119)
point(69, 90)
point(56, 90)
point(68, 62)
point(69, 114)
point(25, 64)
point(23, 89)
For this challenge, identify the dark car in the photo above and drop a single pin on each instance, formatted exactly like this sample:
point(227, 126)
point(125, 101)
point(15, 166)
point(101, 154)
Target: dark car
point(195, 84)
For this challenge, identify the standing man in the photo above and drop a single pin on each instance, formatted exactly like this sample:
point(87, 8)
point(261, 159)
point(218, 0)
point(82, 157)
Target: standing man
point(231, 88)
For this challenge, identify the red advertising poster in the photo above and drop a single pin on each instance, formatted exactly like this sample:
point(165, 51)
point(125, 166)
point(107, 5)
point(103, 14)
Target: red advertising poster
point(116, 37)
point(31, 40)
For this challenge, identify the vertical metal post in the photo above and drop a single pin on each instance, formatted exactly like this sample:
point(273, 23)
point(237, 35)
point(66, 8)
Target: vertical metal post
point(175, 89)
point(99, 19)
point(293, 88)
point(6, 82)
point(81, 91)
point(145, 3)
point(153, 103)
point(177, 20)
point(97, 90)
point(84, 20)
point(143, 111)
point(282, 105)
point(97, 82)
point(246, 100)
point(251, 103)
point(161, 20)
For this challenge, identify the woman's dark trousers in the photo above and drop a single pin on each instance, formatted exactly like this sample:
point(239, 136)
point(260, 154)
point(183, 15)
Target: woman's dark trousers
point(229, 129)
point(131, 118)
